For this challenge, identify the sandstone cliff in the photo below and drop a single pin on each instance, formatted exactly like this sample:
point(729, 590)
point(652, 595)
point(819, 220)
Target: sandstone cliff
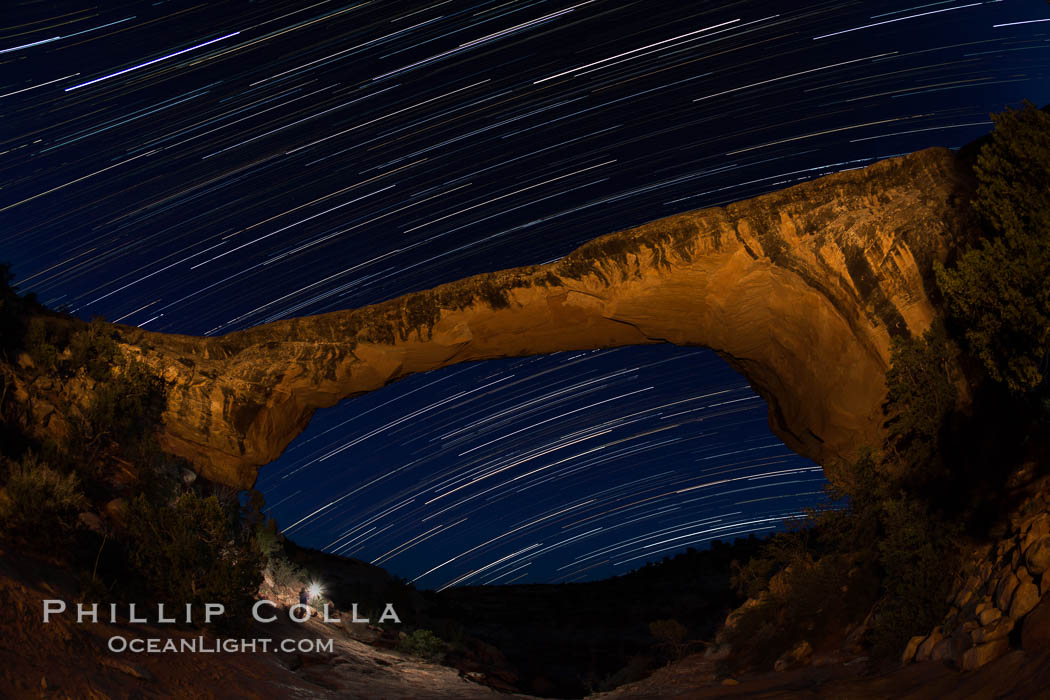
point(801, 290)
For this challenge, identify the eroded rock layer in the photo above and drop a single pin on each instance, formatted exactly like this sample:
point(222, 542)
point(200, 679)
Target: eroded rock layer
point(801, 290)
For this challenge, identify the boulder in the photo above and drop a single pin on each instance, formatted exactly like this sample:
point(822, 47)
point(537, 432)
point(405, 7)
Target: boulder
point(1005, 590)
point(911, 648)
point(797, 656)
point(1026, 598)
point(979, 655)
point(962, 638)
point(967, 592)
point(942, 651)
point(1038, 526)
point(1037, 555)
point(999, 629)
point(925, 650)
point(988, 616)
point(91, 522)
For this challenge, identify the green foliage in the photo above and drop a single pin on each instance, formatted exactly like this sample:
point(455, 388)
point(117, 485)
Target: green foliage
point(997, 293)
point(752, 577)
point(267, 539)
point(318, 603)
point(94, 349)
point(181, 547)
point(40, 505)
point(879, 547)
point(189, 551)
point(285, 573)
point(44, 340)
point(921, 394)
point(128, 407)
point(782, 550)
point(916, 553)
point(424, 644)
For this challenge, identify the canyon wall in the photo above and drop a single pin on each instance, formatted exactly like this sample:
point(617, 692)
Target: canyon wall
point(801, 290)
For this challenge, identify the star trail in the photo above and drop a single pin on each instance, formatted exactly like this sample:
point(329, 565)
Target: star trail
point(200, 168)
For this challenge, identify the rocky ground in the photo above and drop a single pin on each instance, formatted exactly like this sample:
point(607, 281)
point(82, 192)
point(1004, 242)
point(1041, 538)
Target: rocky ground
point(993, 643)
point(63, 659)
point(1001, 598)
point(1018, 675)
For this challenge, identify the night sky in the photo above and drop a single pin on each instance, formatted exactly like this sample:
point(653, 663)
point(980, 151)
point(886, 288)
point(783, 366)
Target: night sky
point(201, 167)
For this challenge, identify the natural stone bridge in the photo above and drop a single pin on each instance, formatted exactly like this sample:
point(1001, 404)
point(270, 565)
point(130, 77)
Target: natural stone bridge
point(800, 290)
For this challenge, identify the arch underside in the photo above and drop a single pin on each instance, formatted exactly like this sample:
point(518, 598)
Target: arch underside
point(799, 290)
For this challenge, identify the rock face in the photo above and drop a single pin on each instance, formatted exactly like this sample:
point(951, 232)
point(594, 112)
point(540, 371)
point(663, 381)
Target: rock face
point(996, 593)
point(801, 290)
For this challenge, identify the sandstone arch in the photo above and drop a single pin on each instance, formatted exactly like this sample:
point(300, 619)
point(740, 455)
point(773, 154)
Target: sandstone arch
point(800, 290)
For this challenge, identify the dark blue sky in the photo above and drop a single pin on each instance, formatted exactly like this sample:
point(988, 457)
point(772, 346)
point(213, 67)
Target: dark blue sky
point(203, 167)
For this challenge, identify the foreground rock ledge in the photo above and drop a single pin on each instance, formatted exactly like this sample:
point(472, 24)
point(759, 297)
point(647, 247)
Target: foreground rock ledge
point(800, 290)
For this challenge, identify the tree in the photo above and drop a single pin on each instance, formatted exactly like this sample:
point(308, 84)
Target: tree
point(190, 551)
point(997, 292)
point(920, 396)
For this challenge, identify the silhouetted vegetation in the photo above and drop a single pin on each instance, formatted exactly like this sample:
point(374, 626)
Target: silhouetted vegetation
point(192, 551)
point(95, 350)
point(885, 551)
point(424, 644)
point(565, 639)
point(95, 489)
point(997, 293)
point(39, 505)
point(921, 394)
point(14, 310)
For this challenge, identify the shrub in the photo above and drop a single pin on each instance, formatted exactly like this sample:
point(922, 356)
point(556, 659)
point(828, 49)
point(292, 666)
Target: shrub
point(127, 407)
point(670, 638)
point(189, 551)
point(40, 505)
point(424, 644)
point(43, 341)
point(12, 324)
point(318, 603)
point(752, 577)
point(285, 573)
point(267, 539)
point(94, 349)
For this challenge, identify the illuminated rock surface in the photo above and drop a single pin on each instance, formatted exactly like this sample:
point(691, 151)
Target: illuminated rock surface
point(801, 290)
